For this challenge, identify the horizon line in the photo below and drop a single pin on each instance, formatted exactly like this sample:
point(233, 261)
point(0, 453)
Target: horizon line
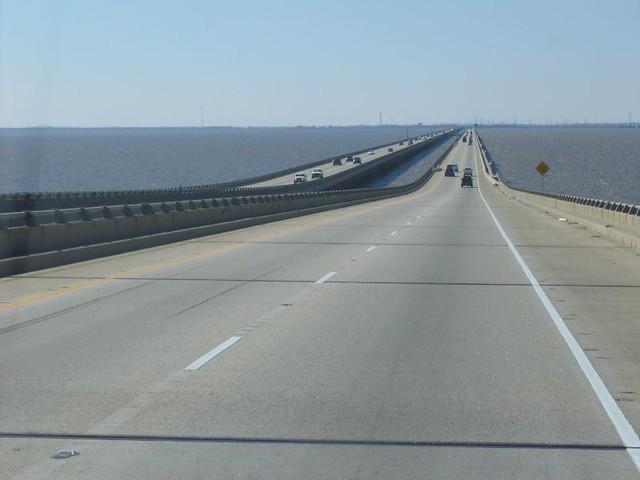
point(394, 125)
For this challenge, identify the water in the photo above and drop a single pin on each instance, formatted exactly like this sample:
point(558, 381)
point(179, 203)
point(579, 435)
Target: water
point(46, 160)
point(596, 162)
point(593, 162)
point(413, 168)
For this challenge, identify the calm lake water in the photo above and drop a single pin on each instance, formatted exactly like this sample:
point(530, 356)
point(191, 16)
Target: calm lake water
point(593, 162)
point(596, 162)
point(46, 160)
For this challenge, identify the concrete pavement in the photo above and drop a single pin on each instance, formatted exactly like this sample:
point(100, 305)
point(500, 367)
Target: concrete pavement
point(397, 339)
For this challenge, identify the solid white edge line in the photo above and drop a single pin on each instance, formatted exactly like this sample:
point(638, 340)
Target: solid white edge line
point(394, 232)
point(625, 430)
point(370, 248)
point(203, 360)
point(325, 278)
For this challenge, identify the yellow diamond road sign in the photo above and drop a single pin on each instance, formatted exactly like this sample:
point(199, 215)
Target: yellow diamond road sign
point(542, 168)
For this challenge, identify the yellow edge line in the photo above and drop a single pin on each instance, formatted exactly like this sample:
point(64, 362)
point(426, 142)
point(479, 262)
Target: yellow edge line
point(155, 266)
point(89, 283)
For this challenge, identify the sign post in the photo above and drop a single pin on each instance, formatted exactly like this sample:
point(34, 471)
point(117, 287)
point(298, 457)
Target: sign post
point(542, 169)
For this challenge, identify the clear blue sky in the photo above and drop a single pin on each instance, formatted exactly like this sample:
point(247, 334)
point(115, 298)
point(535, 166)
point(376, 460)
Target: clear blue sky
point(93, 63)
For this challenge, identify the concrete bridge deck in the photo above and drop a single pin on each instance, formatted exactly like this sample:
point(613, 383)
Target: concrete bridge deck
point(397, 339)
point(329, 169)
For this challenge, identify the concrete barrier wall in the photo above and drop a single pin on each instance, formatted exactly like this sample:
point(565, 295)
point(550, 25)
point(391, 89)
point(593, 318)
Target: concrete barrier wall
point(616, 220)
point(28, 248)
point(620, 226)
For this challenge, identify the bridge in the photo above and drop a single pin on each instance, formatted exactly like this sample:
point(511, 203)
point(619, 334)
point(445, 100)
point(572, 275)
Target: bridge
point(444, 332)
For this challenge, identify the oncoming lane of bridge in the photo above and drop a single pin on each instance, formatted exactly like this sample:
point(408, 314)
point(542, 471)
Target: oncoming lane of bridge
point(343, 163)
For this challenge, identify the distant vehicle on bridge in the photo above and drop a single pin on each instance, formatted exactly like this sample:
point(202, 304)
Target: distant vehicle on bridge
point(467, 178)
point(449, 171)
point(299, 178)
point(317, 173)
point(337, 161)
point(357, 160)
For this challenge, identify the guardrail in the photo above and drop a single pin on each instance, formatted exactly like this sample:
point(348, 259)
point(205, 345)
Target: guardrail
point(490, 167)
point(603, 213)
point(42, 239)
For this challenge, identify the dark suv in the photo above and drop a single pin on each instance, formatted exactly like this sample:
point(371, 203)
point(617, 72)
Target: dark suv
point(449, 171)
point(467, 180)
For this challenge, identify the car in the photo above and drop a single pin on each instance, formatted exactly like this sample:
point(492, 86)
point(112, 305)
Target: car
point(300, 178)
point(337, 161)
point(449, 171)
point(349, 158)
point(390, 149)
point(467, 181)
point(468, 171)
point(357, 160)
point(317, 173)
point(454, 166)
point(371, 152)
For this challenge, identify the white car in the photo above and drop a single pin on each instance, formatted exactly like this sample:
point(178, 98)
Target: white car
point(317, 173)
point(300, 178)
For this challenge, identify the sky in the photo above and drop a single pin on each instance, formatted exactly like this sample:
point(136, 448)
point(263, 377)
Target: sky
point(139, 63)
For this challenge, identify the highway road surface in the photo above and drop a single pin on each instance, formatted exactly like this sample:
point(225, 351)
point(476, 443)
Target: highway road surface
point(398, 339)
